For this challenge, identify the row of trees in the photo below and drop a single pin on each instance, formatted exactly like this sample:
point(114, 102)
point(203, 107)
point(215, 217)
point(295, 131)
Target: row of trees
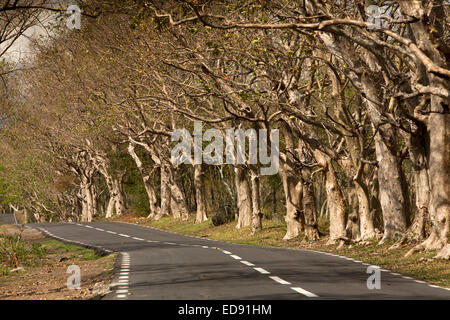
point(362, 109)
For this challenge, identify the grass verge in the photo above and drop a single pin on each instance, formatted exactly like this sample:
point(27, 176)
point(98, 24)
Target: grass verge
point(42, 273)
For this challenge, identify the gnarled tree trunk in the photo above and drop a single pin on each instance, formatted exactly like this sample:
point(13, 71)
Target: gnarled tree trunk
point(256, 201)
point(244, 203)
point(199, 194)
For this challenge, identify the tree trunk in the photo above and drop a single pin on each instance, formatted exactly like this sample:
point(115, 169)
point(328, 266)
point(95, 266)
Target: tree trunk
point(439, 163)
point(110, 208)
point(199, 194)
point(335, 201)
point(165, 193)
point(292, 187)
point(256, 201)
point(119, 202)
point(421, 225)
point(392, 197)
point(178, 202)
point(309, 204)
point(243, 198)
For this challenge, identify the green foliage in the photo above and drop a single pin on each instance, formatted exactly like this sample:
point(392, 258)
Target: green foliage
point(15, 252)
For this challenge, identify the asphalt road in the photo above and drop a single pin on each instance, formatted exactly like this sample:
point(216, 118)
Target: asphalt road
point(7, 219)
point(155, 264)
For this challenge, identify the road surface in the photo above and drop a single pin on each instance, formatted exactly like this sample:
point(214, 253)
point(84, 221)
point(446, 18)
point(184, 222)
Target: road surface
point(155, 264)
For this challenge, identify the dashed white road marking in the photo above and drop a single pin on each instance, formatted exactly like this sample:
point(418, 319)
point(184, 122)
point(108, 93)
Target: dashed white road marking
point(226, 252)
point(279, 280)
point(304, 292)
point(122, 291)
point(235, 257)
point(247, 263)
point(112, 232)
point(261, 270)
point(136, 238)
point(123, 235)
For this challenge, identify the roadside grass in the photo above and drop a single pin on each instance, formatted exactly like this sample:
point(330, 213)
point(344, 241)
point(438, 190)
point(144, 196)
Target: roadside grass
point(33, 254)
point(420, 265)
point(43, 272)
point(73, 251)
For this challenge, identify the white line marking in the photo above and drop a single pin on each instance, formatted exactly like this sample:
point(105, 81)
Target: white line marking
point(279, 280)
point(247, 263)
point(405, 277)
point(226, 252)
point(99, 229)
point(112, 232)
point(123, 235)
point(419, 281)
point(135, 238)
point(206, 247)
point(235, 257)
point(261, 270)
point(121, 296)
point(122, 291)
point(90, 227)
point(304, 292)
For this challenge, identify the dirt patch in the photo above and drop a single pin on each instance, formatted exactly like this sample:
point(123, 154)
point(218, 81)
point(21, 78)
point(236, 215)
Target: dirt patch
point(46, 278)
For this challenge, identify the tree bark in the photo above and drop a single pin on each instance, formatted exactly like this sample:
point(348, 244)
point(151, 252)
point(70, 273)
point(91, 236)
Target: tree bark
point(292, 187)
point(243, 198)
point(165, 193)
point(335, 201)
point(256, 201)
point(199, 194)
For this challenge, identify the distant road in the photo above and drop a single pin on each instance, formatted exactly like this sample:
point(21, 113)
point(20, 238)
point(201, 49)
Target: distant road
point(7, 219)
point(155, 264)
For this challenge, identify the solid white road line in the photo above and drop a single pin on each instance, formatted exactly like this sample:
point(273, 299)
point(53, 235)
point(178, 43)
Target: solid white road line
point(304, 292)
